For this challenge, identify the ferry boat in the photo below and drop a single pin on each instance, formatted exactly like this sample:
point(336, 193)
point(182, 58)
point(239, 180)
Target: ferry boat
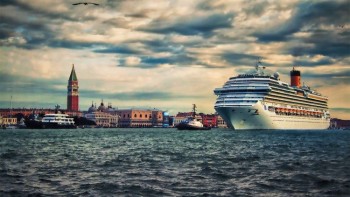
point(261, 101)
point(57, 121)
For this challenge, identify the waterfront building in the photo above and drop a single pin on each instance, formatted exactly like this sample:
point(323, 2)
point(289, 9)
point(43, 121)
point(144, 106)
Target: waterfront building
point(221, 122)
point(165, 119)
point(140, 117)
point(73, 93)
point(209, 120)
point(29, 111)
point(9, 121)
point(102, 116)
point(134, 117)
point(181, 116)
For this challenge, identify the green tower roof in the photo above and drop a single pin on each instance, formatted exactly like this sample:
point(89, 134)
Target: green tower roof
point(73, 76)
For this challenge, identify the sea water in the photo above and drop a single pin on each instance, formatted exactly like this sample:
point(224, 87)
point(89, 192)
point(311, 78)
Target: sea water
point(167, 162)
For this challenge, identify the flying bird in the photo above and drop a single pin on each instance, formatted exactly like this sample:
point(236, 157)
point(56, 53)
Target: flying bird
point(85, 3)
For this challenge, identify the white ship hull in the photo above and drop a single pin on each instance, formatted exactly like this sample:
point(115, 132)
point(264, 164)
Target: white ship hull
point(258, 117)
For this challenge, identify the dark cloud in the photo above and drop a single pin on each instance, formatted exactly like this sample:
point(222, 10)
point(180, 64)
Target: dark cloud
point(34, 32)
point(332, 42)
point(148, 62)
point(6, 33)
point(180, 60)
point(321, 62)
point(192, 25)
point(326, 75)
point(34, 25)
point(13, 83)
point(54, 43)
point(309, 15)
point(41, 12)
point(121, 49)
point(164, 45)
point(324, 43)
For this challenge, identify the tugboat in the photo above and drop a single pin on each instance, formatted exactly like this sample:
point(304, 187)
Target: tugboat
point(191, 123)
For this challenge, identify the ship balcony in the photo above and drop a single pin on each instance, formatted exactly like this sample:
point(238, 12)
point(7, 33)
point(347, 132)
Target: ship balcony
point(233, 103)
point(261, 89)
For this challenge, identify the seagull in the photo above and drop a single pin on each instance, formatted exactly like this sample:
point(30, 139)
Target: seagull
point(85, 3)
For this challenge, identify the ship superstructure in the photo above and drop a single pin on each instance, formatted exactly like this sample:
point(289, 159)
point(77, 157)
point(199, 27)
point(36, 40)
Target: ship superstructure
point(261, 101)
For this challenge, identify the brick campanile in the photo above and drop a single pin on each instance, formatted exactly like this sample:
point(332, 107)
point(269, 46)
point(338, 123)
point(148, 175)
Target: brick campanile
point(73, 93)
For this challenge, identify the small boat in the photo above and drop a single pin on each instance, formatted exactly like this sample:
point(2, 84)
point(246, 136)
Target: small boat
point(10, 127)
point(191, 123)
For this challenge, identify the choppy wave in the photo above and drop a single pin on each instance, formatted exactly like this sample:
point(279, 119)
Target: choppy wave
point(167, 162)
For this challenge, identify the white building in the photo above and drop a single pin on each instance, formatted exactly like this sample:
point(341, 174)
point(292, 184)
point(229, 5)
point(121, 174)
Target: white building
point(101, 116)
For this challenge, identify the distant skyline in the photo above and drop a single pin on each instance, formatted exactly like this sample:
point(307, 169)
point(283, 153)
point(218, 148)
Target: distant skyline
point(168, 54)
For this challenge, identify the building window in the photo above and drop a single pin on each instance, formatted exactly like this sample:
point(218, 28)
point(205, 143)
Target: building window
point(128, 115)
point(140, 115)
point(135, 116)
point(146, 116)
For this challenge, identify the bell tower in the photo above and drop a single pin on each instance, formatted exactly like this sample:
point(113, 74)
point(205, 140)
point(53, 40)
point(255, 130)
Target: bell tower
point(73, 93)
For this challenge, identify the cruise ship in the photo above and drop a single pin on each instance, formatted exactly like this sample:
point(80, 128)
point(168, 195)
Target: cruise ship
point(261, 101)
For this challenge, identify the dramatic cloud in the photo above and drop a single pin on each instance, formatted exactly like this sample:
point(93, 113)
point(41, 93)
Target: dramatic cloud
point(168, 54)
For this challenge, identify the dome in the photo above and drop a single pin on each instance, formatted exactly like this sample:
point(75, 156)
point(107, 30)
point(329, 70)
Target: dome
point(102, 107)
point(92, 108)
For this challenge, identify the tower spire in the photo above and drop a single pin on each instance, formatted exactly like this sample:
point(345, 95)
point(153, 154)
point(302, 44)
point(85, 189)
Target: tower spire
point(73, 76)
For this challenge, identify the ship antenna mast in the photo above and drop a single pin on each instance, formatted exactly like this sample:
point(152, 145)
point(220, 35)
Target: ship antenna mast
point(259, 68)
point(194, 110)
point(11, 107)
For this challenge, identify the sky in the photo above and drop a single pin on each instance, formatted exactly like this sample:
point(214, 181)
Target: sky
point(168, 54)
